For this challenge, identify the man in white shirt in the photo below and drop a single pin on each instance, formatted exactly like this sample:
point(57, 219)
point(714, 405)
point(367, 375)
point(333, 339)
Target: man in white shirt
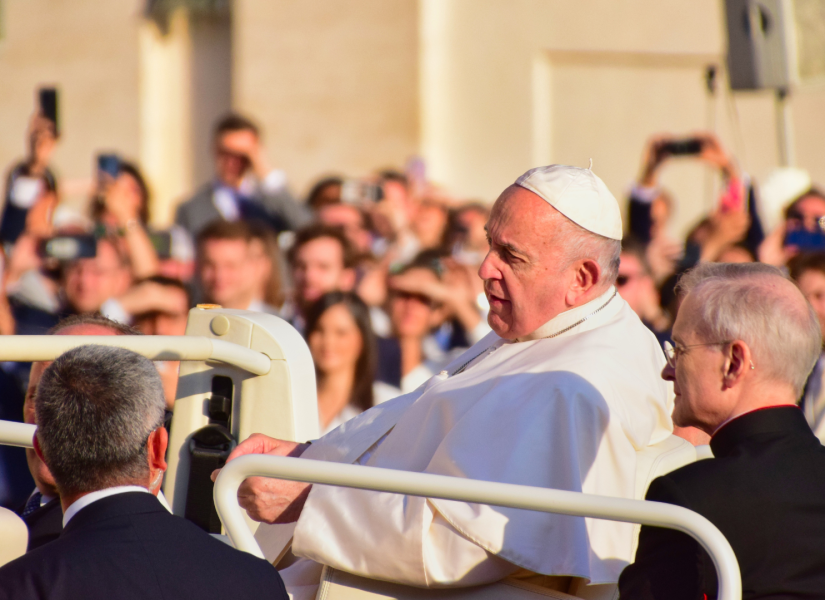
point(230, 271)
point(563, 394)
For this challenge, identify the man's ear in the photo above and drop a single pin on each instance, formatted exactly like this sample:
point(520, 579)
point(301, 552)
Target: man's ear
point(37, 449)
point(588, 274)
point(737, 363)
point(157, 443)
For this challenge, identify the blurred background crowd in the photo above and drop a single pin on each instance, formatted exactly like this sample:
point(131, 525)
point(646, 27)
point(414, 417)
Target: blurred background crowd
point(377, 266)
point(379, 274)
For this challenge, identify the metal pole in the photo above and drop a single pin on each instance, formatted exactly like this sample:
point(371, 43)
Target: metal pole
point(16, 434)
point(469, 490)
point(29, 348)
point(784, 129)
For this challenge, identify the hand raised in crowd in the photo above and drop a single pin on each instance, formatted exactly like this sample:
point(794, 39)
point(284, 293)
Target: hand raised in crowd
point(652, 158)
point(662, 254)
point(42, 142)
point(715, 154)
point(773, 251)
point(149, 296)
point(247, 145)
point(122, 201)
point(726, 228)
point(266, 499)
point(372, 288)
point(454, 291)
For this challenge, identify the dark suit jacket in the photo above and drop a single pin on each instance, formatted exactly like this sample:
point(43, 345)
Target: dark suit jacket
point(278, 211)
point(128, 546)
point(765, 491)
point(45, 524)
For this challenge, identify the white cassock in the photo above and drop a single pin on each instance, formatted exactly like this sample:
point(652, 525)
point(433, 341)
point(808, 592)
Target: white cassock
point(566, 412)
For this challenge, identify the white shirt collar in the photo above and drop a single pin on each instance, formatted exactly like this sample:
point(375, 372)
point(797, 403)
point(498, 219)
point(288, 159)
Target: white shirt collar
point(88, 499)
point(569, 317)
point(227, 204)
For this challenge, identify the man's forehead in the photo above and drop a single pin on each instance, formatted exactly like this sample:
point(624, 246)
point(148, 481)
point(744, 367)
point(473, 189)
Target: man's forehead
point(519, 213)
point(685, 324)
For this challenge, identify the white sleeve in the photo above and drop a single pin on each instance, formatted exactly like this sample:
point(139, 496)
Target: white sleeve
point(391, 537)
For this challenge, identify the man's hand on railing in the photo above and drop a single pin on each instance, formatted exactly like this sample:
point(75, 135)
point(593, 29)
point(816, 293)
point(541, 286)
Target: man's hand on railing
point(265, 499)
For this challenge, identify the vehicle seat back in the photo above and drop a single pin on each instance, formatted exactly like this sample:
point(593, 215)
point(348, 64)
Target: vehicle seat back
point(15, 536)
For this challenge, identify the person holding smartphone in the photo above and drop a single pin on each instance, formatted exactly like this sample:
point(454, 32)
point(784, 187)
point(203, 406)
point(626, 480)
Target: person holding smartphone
point(650, 206)
point(31, 179)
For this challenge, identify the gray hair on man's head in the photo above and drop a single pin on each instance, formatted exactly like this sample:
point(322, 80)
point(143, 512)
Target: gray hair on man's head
point(579, 243)
point(96, 406)
point(757, 304)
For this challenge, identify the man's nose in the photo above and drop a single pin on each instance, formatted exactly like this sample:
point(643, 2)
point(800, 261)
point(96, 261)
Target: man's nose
point(668, 373)
point(488, 268)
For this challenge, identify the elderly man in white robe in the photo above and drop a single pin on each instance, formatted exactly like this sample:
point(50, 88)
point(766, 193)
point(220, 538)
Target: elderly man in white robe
point(562, 394)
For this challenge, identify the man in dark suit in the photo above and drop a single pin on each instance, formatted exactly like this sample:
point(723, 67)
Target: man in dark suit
point(745, 340)
point(42, 512)
point(244, 187)
point(100, 414)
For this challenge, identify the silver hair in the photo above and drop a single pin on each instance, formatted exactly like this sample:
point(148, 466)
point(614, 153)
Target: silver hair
point(96, 407)
point(580, 243)
point(757, 304)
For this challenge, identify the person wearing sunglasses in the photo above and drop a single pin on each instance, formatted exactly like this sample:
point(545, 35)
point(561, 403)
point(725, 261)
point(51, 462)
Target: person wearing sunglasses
point(636, 286)
point(744, 342)
point(245, 188)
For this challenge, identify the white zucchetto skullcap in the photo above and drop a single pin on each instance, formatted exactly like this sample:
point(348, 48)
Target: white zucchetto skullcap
point(579, 195)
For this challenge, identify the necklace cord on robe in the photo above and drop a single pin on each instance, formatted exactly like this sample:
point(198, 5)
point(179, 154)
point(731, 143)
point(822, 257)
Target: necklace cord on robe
point(547, 337)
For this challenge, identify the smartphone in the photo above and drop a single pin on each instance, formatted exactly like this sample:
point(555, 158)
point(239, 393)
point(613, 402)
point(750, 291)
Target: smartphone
point(109, 164)
point(70, 247)
point(355, 191)
point(47, 99)
point(683, 147)
point(805, 241)
point(733, 198)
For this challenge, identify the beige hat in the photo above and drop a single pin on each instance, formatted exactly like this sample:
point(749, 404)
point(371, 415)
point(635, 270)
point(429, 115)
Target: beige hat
point(579, 195)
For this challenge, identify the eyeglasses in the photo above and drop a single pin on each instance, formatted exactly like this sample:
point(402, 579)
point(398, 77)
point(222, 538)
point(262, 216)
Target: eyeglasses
point(673, 352)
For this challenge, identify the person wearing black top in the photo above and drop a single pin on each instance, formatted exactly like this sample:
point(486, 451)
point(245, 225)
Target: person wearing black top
point(744, 342)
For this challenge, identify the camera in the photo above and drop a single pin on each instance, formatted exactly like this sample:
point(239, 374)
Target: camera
point(356, 191)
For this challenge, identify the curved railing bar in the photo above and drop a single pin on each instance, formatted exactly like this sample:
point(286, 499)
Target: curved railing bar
point(469, 490)
point(16, 434)
point(28, 348)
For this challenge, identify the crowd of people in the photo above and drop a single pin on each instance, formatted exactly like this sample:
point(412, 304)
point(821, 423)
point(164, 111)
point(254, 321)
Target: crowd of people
point(389, 280)
point(378, 273)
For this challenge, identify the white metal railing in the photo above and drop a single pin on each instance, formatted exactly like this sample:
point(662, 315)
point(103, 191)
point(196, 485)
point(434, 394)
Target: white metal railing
point(16, 434)
point(469, 490)
point(28, 348)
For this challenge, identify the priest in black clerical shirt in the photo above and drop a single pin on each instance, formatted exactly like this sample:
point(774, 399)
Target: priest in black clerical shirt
point(744, 342)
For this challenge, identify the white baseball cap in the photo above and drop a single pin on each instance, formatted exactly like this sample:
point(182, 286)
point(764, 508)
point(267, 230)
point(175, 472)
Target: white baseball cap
point(579, 195)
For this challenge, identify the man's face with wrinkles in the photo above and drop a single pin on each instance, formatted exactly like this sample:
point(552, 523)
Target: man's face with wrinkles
point(525, 272)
